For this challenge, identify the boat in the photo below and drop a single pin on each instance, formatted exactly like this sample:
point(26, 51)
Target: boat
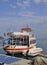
point(20, 42)
point(33, 52)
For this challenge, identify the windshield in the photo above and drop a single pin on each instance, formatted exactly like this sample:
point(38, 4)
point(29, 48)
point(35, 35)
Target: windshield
point(18, 40)
point(32, 41)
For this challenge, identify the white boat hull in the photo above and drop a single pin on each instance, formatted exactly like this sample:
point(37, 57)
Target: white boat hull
point(17, 49)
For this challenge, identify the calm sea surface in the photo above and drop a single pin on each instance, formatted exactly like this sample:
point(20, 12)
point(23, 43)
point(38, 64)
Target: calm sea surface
point(40, 43)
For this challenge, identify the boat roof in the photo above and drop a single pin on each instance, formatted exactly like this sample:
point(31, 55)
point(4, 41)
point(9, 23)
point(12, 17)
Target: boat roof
point(27, 29)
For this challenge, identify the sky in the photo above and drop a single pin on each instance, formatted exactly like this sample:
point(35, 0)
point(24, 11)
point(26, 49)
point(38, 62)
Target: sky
point(15, 14)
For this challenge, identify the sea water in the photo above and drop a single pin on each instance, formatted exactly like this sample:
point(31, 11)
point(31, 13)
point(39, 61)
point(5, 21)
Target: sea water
point(42, 43)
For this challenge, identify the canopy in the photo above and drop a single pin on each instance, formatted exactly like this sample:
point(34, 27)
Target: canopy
point(27, 29)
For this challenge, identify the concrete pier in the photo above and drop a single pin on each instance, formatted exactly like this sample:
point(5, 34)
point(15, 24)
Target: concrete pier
point(22, 62)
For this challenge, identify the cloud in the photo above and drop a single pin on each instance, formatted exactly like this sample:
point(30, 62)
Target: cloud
point(23, 3)
point(26, 2)
point(11, 13)
point(3, 0)
point(37, 19)
point(30, 17)
point(12, 6)
point(8, 14)
point(33, 19)
point(45, 1)
point(39, 1)
point(20, 3)
point(26, 14)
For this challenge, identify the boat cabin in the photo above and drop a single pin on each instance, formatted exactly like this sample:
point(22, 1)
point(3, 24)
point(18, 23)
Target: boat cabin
point(18, 39)
point(23, 38)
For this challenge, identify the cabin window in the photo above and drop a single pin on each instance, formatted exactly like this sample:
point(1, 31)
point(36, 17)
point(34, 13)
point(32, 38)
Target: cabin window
point(19, 40)
point(32, 41)
point(10, 41)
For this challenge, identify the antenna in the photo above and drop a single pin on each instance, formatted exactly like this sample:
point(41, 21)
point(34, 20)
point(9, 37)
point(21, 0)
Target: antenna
point(28, 25)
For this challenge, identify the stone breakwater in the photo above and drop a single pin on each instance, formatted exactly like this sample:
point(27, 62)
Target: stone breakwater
point(38, 60)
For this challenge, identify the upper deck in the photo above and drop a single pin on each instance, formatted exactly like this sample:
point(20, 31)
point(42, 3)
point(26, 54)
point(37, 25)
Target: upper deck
point(24, 31)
